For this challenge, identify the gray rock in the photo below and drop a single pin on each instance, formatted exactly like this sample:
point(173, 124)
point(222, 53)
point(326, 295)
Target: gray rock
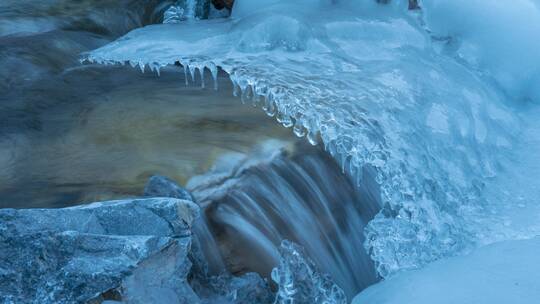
point(134, 251)
point(161, 186)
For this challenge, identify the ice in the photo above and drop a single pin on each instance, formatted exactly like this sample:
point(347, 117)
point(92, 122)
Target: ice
point(383, 88)
point(501, 38)
point(174, 14)
point(183, 10)
point(300, 282)
point(507, 272)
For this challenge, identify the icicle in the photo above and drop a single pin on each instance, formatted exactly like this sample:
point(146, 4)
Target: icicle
point(157, 70)
point(141, 66)
point(284, 119)
point(331, 149)
point(247, 93)
point(242, 96)
point(299, 129)
point(312, 137)
point(214, 71)
point(192, 73)
point(256, 100)
point(201, 73)
point(343, 160)
point(236, 87)
point(186, 74)
point(269, 107)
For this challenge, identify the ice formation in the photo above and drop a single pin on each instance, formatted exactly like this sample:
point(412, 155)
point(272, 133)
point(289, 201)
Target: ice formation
point(300, 282)
point(505, 272)
point(448, 130)
point(183, 10)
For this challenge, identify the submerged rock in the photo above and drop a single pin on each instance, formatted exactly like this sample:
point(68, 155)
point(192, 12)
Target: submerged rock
point(129, 250)
point(161, 186)
point(300, 282)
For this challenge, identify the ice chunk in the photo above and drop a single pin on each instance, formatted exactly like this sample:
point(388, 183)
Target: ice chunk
point(300, 282)
point(174, 14)
point(183, 10)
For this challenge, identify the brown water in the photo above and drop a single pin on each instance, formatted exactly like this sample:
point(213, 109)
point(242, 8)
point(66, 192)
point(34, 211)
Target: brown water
point(99, 133)
point(73, 133)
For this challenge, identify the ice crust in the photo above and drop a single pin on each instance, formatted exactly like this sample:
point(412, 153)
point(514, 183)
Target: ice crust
point(378, 88)
point(506, 272)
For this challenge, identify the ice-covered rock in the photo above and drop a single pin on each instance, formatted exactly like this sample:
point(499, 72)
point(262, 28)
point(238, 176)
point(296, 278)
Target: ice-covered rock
point(300, 282)
point(161, 186)
point(129, 250)
point(506, 272)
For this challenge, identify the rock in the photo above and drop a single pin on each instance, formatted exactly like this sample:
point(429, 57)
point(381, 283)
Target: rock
point(161, 186)
point(127, 251)
point(221, 4)
point(134, 251)
point(300, 282)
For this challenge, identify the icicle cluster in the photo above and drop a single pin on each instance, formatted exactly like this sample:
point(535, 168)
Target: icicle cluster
point(300, 282)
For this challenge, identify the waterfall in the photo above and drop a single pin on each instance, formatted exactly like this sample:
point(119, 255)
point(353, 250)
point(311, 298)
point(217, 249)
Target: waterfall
point(261, 199)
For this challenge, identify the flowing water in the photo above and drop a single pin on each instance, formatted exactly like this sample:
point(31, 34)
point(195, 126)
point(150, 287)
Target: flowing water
point(255, 201)
point(72, 133)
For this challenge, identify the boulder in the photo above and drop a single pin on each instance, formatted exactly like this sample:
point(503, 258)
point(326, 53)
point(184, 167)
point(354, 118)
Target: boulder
point(127, 251)
point(161, 186)
point(134, 251)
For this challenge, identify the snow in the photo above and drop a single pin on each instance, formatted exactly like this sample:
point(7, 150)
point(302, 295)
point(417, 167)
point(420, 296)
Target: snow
point(502, 37)
point(506, 272)
point(445, 133)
